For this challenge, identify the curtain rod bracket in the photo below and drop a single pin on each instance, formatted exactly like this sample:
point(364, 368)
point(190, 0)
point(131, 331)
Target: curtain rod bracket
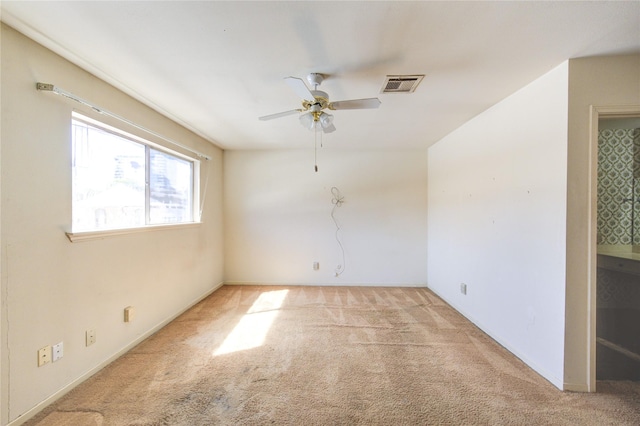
point(45, 86)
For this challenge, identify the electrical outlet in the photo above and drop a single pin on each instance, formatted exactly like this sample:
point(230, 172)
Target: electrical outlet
point(463, 288)
point(44, 356)
point(316, 266)
point(91, 337)
point(58, 351)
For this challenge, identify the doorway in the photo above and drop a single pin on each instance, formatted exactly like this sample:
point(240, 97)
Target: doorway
point(615, 291)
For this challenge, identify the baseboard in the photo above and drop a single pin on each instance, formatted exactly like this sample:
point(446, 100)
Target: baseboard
point(63, 391)
point(557, 382)
point(331, 284)
point(576, 387)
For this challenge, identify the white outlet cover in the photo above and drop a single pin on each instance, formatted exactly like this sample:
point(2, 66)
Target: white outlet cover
point(91, 337)
point(58, 351)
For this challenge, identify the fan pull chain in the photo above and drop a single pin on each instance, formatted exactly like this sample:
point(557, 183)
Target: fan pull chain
point(315, 150)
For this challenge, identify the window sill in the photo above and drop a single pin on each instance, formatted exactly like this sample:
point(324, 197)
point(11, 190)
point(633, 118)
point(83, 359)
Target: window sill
point(77, 237)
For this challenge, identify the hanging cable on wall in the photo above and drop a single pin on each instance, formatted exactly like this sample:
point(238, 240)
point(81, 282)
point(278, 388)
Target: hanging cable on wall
point(337, 201)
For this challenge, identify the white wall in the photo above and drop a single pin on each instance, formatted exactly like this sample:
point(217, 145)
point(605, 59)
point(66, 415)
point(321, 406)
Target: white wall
point(277, 216)
point(601, 82)
point(53, 290)
point(497, 211)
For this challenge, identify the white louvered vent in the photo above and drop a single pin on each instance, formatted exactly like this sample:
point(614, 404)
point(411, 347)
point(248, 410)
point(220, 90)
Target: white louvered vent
point(401, 83)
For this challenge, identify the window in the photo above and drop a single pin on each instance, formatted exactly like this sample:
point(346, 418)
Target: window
point(122, 181)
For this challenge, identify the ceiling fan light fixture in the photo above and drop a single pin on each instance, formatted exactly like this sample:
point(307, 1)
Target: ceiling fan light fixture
point(307, 121)
point(325, 120)
point(316, 120)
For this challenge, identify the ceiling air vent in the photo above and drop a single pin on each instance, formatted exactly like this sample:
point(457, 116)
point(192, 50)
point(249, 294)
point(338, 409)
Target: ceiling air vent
point(401, 83)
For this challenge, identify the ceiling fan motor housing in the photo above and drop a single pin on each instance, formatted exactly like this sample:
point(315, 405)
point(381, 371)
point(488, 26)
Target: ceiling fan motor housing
point(321, 100)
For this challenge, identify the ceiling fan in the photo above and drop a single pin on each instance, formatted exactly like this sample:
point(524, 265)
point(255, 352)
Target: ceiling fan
point(315, 101)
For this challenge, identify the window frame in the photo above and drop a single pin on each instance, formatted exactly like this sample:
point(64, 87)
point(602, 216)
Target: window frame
point(148, 145)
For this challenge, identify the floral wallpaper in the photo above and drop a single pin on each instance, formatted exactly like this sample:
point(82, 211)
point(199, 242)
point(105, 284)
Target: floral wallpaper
point(619, 186)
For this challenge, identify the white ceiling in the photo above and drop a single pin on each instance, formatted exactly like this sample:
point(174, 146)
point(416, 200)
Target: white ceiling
point(215, 67)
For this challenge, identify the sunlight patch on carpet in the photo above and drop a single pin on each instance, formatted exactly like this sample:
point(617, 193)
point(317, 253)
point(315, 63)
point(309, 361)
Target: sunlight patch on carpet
point(253, 327)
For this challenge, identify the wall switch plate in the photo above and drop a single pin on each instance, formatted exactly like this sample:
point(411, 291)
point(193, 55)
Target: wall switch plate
point(44, 356)
point(316, 266)
point(58, 351)
point(128, 314)
point(91, 337)
point(463, 288)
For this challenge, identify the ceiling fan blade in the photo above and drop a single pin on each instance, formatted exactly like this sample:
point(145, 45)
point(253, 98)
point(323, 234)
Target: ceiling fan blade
point(368, 103)
point(279, 114)
point(300, 88)
point(329, 129)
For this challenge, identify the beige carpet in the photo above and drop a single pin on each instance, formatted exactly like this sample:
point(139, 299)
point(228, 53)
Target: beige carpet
point(329, 356)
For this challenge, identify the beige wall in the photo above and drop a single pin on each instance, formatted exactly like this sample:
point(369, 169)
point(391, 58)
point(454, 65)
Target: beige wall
point(54, 290)
point(278, 216)
point(601, 81)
